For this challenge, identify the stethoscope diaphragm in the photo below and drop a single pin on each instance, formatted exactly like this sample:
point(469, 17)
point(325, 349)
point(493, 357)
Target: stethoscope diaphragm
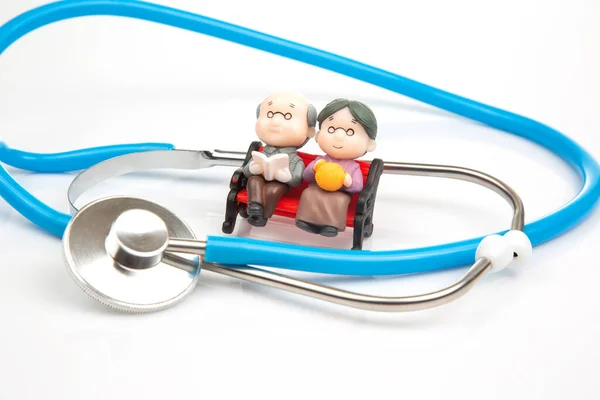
point(103, 234)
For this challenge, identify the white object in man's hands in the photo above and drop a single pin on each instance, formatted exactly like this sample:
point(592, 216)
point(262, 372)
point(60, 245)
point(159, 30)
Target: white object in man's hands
point(283, 175)
point(274, 167)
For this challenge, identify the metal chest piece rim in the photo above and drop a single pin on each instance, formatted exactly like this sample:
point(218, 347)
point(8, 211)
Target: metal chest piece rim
point(92, 246)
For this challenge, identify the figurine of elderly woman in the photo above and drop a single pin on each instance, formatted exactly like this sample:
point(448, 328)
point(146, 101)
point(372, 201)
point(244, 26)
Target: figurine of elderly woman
point(347, 131)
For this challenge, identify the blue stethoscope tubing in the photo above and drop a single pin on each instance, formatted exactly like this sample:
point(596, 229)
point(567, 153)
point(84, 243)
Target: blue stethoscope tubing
point(234, 250)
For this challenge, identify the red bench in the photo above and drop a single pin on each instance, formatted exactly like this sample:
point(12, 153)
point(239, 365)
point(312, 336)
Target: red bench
point(360, 210)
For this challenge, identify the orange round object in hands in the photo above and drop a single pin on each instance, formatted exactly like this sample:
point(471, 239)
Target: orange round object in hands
point(329, 176)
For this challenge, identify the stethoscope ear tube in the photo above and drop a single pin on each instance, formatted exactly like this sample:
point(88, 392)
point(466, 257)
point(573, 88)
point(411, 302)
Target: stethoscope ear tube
point(75, 160)
point(560, 221)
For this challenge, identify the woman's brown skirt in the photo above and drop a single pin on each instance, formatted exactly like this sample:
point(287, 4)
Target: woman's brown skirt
point(318, 206)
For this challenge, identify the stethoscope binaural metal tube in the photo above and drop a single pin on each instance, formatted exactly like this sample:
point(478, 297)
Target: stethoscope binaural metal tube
point(358, 300)
point(334, 295)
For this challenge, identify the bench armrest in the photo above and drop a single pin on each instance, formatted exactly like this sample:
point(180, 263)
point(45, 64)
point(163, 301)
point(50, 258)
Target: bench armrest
point(366, 198)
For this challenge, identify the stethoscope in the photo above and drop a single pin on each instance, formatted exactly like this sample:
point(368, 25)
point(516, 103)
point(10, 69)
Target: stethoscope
point(136, 255)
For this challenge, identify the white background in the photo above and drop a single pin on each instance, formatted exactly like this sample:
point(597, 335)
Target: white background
point(529, 334)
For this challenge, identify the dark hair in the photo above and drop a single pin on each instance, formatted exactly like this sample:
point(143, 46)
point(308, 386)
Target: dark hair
point(360, 111)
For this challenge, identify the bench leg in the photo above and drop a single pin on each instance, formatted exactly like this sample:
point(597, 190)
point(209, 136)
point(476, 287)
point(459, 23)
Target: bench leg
point(369, 227)
point(231, 212)
point(359, 231)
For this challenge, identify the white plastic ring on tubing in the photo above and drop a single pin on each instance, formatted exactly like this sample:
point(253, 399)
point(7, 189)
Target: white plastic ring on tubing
point(513, 248)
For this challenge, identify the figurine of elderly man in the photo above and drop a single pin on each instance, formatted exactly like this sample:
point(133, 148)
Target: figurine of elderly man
point(285, 122)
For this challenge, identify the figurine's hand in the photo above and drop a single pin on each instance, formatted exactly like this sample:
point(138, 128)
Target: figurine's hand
point(283, 175)
point(255, 168)
point(315, 167)
point(347, 180)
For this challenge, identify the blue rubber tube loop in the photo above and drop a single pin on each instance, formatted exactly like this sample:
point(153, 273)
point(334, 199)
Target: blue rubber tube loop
point(346, 261)
point(75, 160)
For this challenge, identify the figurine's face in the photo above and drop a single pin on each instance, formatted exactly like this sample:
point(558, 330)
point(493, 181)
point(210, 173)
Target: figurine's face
point(343, 137)
point(283, 120)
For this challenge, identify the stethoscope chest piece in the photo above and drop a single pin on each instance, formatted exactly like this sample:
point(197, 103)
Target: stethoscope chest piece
point(114, 249)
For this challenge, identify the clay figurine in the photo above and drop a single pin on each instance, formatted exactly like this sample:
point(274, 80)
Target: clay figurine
point(347, 130)
point(285, 122)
